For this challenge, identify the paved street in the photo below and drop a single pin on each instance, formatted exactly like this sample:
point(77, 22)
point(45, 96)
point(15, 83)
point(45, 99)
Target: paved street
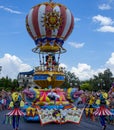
point(86, 124)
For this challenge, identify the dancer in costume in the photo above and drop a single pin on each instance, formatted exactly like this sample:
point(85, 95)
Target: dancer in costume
point(14, 115)
point(102, 111)
point(90, 107)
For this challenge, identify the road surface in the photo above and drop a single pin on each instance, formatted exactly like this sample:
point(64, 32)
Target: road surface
point(85, 124)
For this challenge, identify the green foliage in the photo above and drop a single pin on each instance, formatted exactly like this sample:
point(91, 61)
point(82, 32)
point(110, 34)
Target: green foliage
point(70, 80)
point(102, 81)
point(8, 84)
point(86, 86)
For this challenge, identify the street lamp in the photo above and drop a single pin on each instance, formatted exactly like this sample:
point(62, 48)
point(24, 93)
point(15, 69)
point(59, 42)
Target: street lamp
point(70, 84)
point(101, 84)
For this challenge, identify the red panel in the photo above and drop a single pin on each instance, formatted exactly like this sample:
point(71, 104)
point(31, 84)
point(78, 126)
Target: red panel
point(63, 16)
point(35, 20)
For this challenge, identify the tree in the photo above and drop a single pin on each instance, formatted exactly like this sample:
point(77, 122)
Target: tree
point(8, 84)
point(86, 86)
point(70, 80)
point(102, 81)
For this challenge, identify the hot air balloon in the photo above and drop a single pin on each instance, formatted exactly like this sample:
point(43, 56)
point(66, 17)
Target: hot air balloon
point(49, 24)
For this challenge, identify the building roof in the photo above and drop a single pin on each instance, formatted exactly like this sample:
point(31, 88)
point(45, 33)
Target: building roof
point(27, 73)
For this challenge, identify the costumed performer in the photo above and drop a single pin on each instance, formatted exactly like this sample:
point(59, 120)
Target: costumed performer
point(102, 111)
point(14, 115)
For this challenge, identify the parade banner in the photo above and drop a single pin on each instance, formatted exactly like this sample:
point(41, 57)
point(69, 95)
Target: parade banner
point(60, 116)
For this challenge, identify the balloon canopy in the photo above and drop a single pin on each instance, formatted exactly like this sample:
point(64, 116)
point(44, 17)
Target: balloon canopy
point(49, 24)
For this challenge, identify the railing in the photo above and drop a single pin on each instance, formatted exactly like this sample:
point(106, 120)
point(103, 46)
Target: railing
point(49, 68)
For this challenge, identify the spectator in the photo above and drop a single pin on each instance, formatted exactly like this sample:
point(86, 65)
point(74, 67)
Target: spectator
point(0, 103)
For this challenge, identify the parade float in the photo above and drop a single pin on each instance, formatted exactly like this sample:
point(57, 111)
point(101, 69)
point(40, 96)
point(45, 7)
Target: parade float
point(49, 24)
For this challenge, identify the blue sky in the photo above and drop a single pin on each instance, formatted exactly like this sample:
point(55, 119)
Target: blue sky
point(90, 47)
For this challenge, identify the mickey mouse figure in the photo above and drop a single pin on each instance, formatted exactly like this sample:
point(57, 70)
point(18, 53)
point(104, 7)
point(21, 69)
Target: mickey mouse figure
point(50, 62)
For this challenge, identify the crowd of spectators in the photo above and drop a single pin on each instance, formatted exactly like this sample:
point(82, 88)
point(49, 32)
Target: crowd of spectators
point(5, 98)
point(91, 101)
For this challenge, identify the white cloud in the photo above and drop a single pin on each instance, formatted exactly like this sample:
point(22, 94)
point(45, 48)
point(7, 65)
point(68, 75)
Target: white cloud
point(111, 60)
point(76, 45)
point(12, 65)
point(10, 10)
point(106, 29)
point(103, 20)
point(84, 71)
point(63, 65)
point(76, 19)
point(104, 7)
point(110, 63)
